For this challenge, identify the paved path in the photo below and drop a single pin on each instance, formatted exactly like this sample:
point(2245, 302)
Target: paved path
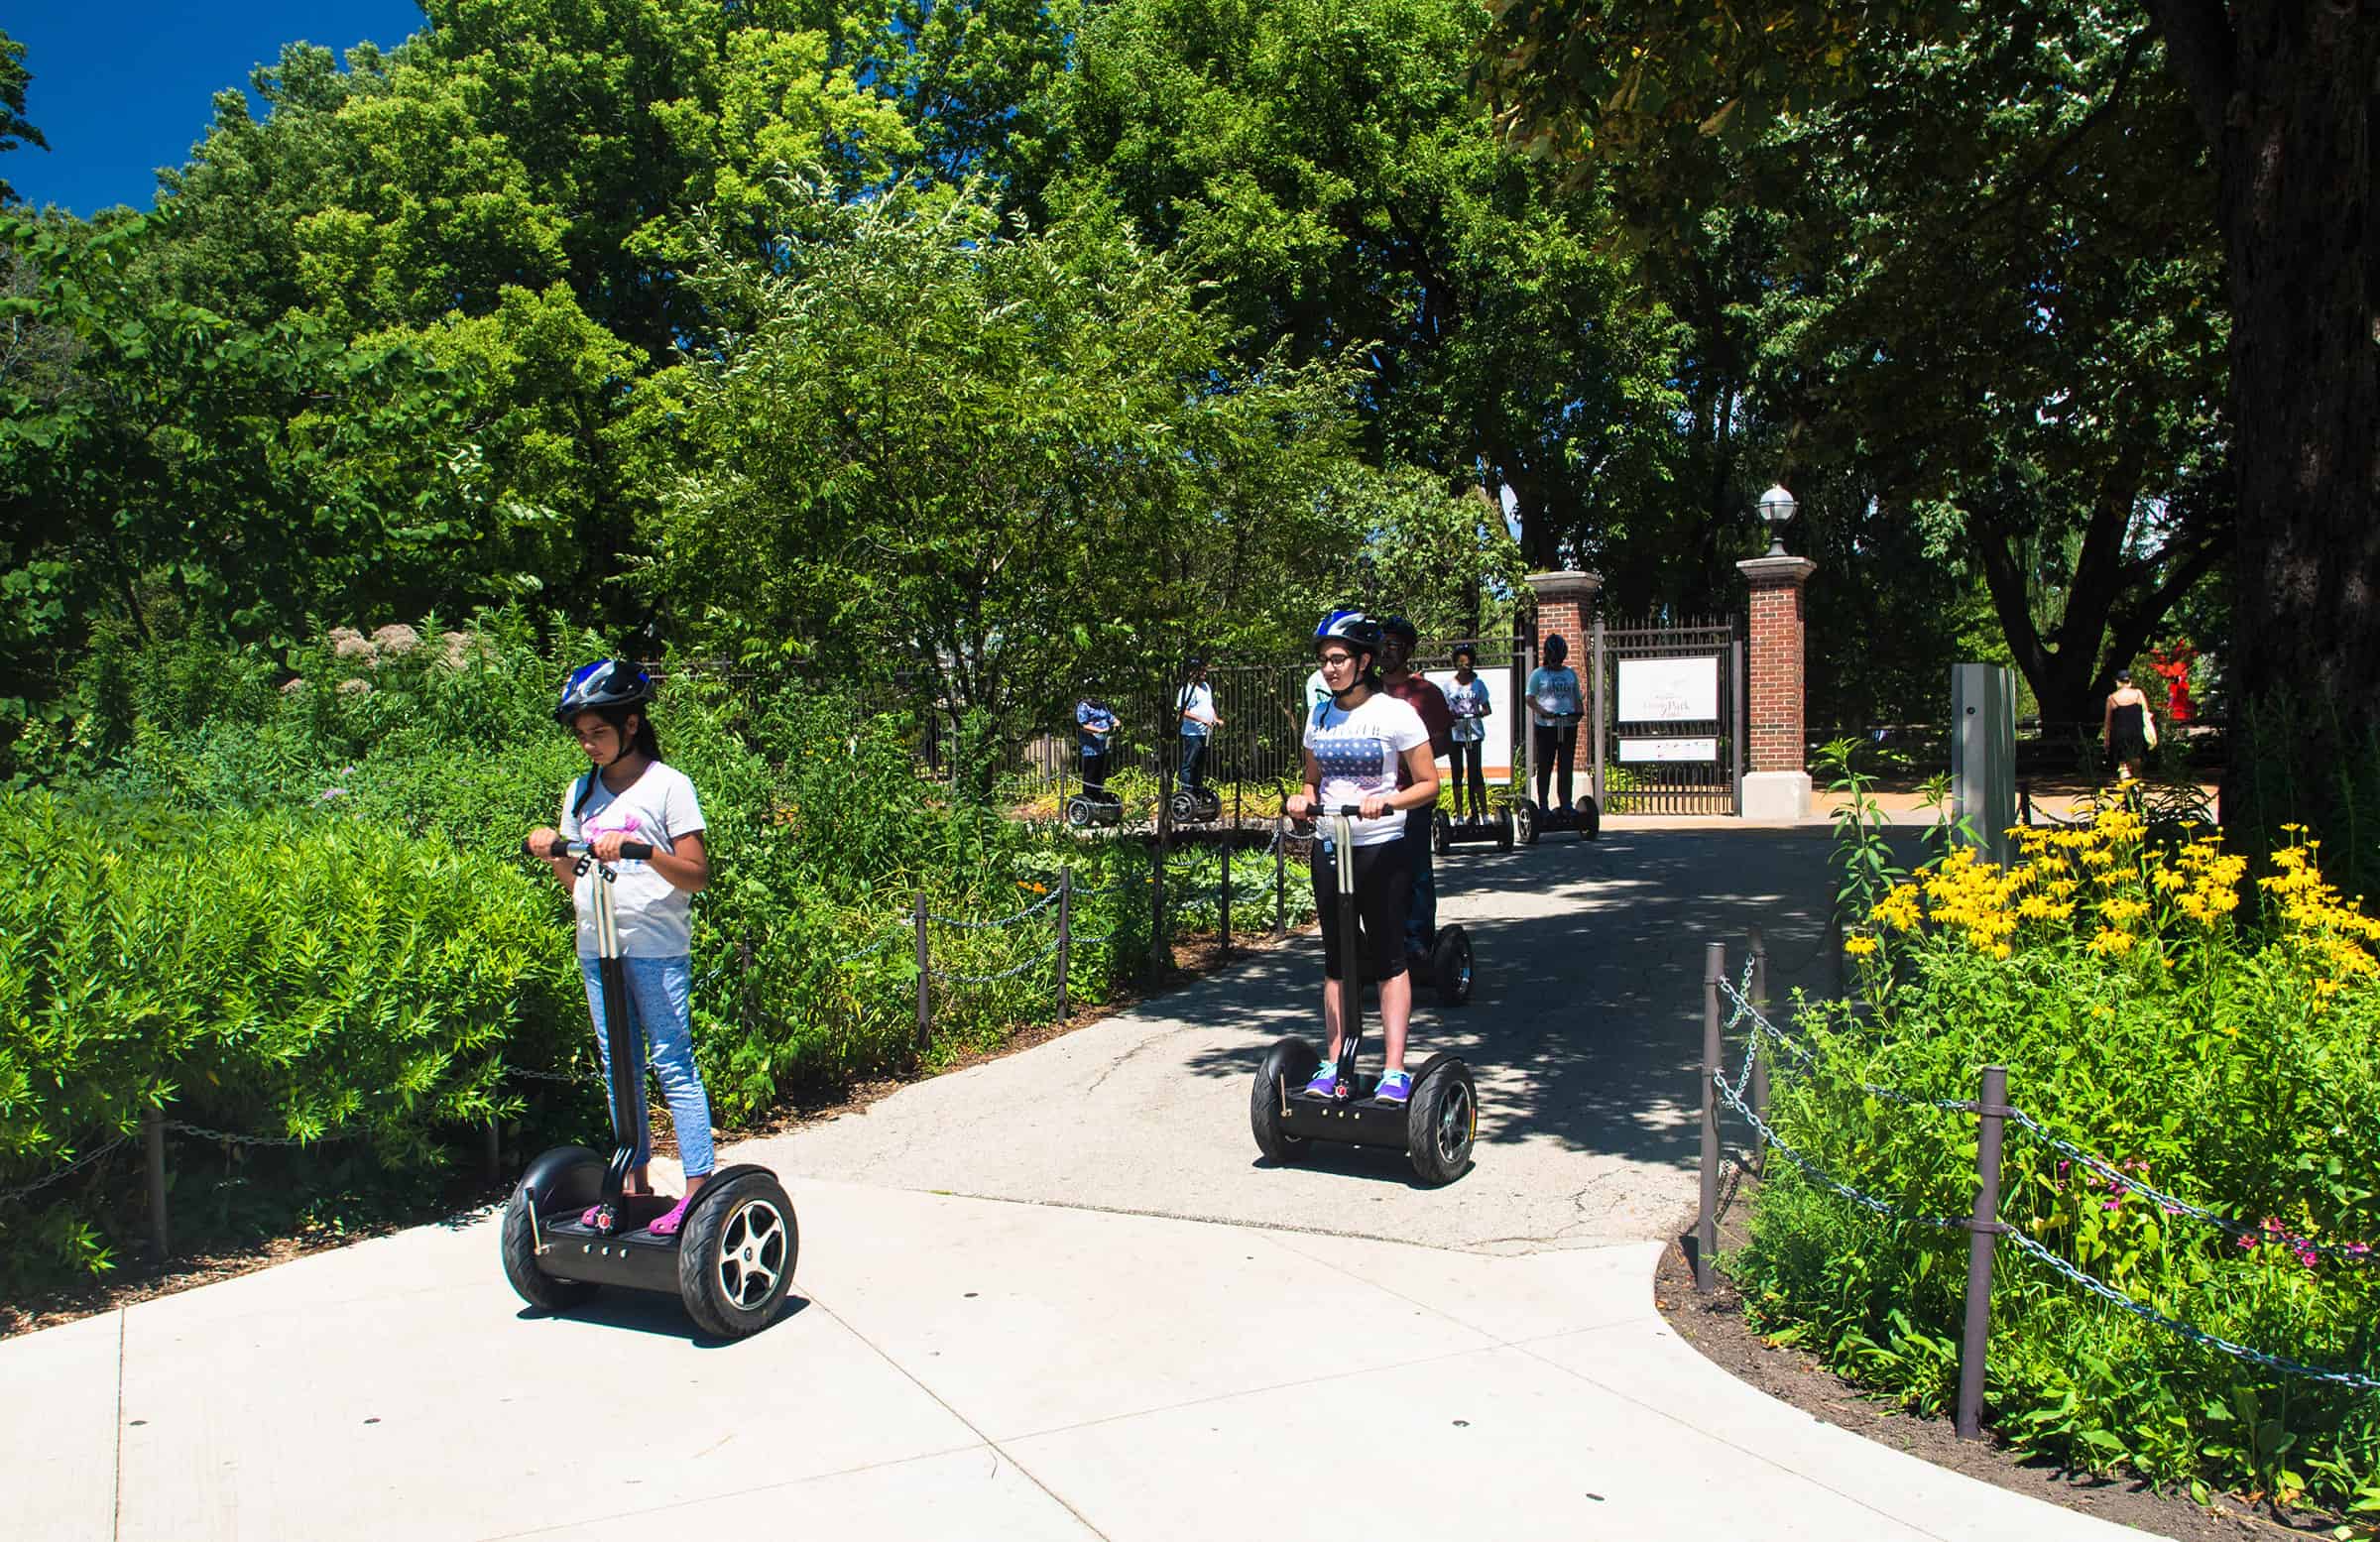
point(1055, 1348)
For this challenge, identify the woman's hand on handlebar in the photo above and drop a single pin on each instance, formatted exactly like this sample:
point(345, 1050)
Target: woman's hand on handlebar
point(1299, 806)
point(606, 843)
point(541, 842)
point(1373, 807)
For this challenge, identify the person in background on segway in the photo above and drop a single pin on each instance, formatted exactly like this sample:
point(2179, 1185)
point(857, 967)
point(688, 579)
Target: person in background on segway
point(1094, 725)
point(1196, 704)
point(1555, 707)
point(1468, 702)
point(629, 794)
point(1428, 702)
point(1357, 743)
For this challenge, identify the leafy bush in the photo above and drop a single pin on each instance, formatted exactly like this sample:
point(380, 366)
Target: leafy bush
point(262, 973)
point(2234, 1065)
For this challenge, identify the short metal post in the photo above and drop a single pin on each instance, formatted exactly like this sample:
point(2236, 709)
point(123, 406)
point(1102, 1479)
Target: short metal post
point(2024, 802)
point(494, 1153)
point(1223, 924)
point(153, 1137)
point(1992, 1108)
point(1760, 1055)
point(1065, 932)
point(1281, 875)
point(1706, 1225)
point(925, 981)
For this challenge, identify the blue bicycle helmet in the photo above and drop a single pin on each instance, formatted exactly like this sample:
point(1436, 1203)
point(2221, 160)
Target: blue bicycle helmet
point(604, 686)
point(1357, 629)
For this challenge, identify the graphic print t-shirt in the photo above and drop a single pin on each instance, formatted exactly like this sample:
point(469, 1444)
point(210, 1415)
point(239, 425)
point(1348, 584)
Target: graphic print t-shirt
point(1554, 697)
point(1469, 705)
point(657, 920)
point(1358, 753)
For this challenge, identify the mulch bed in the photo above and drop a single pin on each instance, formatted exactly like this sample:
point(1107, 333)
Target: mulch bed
point(138, 1278)
point(1714, 1325)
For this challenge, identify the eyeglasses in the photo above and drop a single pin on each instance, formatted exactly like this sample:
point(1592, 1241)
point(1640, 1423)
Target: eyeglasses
point(1333, 661)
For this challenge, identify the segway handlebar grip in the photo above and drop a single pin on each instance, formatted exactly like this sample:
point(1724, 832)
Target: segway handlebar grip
point(634, 850)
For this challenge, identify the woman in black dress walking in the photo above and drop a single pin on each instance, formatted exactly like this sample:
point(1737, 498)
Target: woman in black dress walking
point(2125, 727)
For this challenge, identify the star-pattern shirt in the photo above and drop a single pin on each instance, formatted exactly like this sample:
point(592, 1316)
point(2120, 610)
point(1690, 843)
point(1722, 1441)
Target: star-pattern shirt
point(1358, 753)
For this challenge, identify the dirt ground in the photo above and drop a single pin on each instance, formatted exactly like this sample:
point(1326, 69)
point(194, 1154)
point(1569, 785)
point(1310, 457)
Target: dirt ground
point(1714, 1325)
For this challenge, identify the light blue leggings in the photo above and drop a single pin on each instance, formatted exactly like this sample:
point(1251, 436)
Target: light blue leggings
point(661, 1015)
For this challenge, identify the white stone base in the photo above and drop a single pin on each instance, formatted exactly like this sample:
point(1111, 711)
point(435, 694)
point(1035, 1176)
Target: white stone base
point(1777, 798)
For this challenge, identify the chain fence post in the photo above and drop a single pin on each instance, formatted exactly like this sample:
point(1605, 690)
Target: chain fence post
point(1760, 1060)
point(1983, 1229)
point(1065, 932)
point(1281, 875)
point(926, 980)
point(1706, 1224)
point(1223, 919)
point(494, 1152)
point(152, 1138)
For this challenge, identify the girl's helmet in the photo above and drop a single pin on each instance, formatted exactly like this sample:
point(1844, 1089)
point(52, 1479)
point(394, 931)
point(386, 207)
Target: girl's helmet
point(1466, 651)
point(1358, 631)
point(607, 684)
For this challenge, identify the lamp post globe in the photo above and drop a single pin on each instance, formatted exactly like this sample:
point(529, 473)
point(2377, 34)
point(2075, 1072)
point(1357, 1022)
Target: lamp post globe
point(1778, 509)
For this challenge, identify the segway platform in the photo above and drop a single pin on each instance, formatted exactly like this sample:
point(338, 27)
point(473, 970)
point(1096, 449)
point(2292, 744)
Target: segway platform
point(1446, 832)
point(1532, 821)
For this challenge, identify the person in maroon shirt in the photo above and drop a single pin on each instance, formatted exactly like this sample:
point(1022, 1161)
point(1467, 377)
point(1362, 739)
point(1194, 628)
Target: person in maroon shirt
point(1397, 638)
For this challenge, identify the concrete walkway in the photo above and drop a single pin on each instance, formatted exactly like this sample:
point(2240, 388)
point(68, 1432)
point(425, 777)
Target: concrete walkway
point(1112, 1323)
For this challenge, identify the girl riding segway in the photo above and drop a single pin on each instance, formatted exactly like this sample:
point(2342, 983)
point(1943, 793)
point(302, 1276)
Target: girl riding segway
point(1469, 701)
point(627, 796)
point(1355, 745)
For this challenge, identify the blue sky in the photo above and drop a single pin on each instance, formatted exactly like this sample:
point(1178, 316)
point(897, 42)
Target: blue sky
point(122, 89)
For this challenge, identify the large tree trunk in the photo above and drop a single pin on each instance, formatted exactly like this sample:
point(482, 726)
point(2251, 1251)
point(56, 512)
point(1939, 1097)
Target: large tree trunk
point(2288, 95)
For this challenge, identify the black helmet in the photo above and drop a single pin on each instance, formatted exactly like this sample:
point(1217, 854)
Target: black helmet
point(1358, 631)
point(1466, 651)
point(1399, 626)
point(607, 684)
point(1556, 647)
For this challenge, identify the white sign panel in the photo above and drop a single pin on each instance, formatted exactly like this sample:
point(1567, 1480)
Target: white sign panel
point(1669, 749)
point(1669, 690)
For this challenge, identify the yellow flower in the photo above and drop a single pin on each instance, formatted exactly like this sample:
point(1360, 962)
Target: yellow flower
point(2112, 942)
point(1860, 946)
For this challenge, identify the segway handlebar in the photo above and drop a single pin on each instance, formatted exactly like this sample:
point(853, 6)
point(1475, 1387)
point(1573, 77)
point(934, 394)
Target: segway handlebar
point(1351, 810)
point(634, 850)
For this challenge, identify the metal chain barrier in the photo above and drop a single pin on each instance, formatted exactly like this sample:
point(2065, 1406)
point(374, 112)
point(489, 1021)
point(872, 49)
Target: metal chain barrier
point(955, 977)
point(229, 1138)
point(2150, 1314)
point(1821, 1176)
point(2348, 1252)
point(1804, 1056)
point(23, 1191)
point(1006, 920)
point(877, 946)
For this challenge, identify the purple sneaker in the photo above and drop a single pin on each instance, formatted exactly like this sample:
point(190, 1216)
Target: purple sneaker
point(1396, 1086)
point(1325, 1083)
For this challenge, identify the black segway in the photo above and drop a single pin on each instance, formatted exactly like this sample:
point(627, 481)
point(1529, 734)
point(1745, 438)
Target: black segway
point(1435, 1128)
point(1532, 821)
point(732, 1259)
point(1498, 827)
point(1196, 806)
point(1094, 807)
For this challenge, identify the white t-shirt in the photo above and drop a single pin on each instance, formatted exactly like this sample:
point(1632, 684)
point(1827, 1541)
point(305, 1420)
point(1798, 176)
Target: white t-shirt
point(1196, 706)
point(1358, 752)
point(656, 918)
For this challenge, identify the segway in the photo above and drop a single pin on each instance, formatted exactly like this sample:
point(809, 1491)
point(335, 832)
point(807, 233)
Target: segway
point(731, 1261)
point(1196, 806)
point(1530, 821)
point(1094, 807)
point(1435, 1128)
point(1497, 827)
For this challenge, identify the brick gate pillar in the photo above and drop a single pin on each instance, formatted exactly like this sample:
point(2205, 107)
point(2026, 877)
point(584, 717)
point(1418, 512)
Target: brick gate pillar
point(1777, 784)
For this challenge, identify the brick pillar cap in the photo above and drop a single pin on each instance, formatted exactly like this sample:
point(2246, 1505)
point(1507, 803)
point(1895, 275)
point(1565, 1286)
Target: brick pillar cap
point(1773, 572)
point(1567, 585)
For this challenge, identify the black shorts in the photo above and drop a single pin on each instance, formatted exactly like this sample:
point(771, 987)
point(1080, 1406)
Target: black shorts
point(1383, 893)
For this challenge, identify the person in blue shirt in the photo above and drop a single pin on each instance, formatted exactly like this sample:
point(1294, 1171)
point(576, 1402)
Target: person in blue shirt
point(1556, 703)
point(1196, 705)
point(1094, 727)
point(1470, 703)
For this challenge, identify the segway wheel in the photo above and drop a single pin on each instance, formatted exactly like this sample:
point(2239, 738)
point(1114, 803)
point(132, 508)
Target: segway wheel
point(520, 1244)
point(735, 1259)
point(1442, 1121)
point(1184, 809)
point(1524, 822)
point(1078, 812)
point(1450, 967)
point(1590, 819)
point(1442, 833)
point(1504, 831)
point(1290, 1063)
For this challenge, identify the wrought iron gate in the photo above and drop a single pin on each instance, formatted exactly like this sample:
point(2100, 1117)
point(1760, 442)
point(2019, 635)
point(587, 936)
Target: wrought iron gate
point(1669, 706)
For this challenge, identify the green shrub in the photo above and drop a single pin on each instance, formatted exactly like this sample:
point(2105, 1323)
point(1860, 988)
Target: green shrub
point(2236, 1067)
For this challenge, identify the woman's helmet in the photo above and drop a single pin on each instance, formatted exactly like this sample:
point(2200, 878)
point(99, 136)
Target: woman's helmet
point(607, 684)
point(1358, 631)
point(1556, 649)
